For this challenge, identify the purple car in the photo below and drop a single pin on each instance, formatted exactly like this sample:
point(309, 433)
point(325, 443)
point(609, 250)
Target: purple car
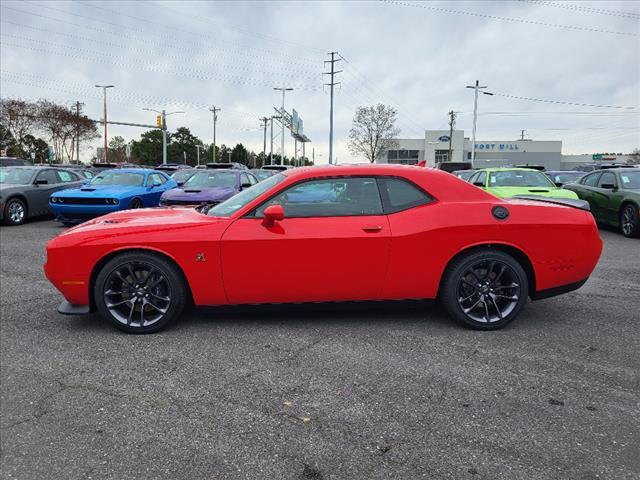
point(209, 186)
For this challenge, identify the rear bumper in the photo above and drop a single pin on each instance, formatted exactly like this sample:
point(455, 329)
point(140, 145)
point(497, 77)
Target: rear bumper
point(552, 292)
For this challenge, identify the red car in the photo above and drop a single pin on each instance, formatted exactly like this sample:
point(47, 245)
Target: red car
point(366, 232)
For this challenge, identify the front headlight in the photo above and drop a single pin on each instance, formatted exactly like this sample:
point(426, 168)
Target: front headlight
point(112, 201)
point(54, 199)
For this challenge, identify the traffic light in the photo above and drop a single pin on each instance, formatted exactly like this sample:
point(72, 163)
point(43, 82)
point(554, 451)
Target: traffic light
point(159, 121)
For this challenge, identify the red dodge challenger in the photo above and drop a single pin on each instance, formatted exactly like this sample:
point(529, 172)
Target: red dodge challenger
point(329, 234)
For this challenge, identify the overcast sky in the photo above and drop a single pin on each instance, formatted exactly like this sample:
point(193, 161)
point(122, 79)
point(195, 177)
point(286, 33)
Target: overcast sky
point(416, 56)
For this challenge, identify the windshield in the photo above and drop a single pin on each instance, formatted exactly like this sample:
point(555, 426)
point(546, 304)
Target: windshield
point(519, 178)
point(630, 180)
point(114, 177)
point(235, 203)
point(182, 175)
point(212, 179)
point(567, 177)
point(16, 176)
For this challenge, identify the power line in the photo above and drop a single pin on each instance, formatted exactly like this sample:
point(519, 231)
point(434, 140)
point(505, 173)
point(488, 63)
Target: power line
point(509, 19)
point(516, 97)
point(580, 8)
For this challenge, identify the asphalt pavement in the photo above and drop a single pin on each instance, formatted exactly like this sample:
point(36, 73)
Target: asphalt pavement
point(318, 393)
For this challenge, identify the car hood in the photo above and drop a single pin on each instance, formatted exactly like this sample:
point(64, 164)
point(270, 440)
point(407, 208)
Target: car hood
point(552, 192)
point(199, 194)
point(98, 191)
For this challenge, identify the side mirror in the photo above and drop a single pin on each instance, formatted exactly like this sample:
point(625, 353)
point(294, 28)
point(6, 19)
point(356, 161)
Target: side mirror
point(180, 183)
point(245, 185)
point(479, 184)
point(608, 186)
point(156, 184)
point(558, 184)
point(272, 214)
point(41, 182)
point(86, 183)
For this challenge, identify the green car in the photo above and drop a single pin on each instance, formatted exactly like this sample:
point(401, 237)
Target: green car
point(614, 197)
point(508, 182)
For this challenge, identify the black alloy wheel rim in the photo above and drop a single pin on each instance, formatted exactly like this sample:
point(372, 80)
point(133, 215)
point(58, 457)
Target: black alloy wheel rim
point(488, 291)
point(137, 294)
point(628, 220)
point(136, 203)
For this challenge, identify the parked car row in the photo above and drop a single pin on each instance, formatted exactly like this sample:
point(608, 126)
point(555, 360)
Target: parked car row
point(75, 193)
point(613, 193)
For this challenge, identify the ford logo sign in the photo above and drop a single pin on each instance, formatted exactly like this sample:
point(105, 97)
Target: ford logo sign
point(444, 138)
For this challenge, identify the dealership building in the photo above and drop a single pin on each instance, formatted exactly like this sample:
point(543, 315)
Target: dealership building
point(434, 148)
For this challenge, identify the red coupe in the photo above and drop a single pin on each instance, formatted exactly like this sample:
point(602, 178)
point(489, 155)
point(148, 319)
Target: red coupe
point(329, 234)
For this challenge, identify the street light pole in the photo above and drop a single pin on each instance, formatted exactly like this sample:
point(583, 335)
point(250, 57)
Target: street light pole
point(104, 104)
point(283, 90)
point(476, 88)
point(215, 111)
point(198, 148)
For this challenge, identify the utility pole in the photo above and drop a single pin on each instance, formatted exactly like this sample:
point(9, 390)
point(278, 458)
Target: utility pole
point(331, 84)
point(283, 90)
point(229, 152)
point(271, 151)
point(264, 121)
point(522, 134)
point(215, 111)
point(452, 124)
point(198, 147)
point(477, 88)
point(78, 106)
point(104, 102)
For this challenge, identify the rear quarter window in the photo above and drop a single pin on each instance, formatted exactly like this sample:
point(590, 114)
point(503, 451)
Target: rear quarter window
point(398, 195)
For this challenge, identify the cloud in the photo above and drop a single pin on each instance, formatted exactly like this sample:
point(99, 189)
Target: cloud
point(190, 55)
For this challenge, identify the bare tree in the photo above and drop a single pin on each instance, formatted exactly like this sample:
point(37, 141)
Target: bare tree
point(373, 131)
point(19, 117)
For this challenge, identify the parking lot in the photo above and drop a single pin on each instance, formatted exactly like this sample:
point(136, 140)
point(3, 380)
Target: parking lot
point(364, 392)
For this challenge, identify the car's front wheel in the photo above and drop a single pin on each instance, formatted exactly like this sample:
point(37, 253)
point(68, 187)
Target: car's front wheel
point(15, 212)
point(484, 289)
point(629, 221)
point(140, 292)
point(135, 203)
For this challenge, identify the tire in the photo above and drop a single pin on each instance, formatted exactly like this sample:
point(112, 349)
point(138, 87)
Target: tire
point(629, 221)
point(135, 203)
point(489, 276)
point(15, 212)
point(138, 286)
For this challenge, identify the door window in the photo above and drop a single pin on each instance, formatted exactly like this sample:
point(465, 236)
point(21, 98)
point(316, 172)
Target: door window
point(400, 195)
point(155, 178)
point(244, 179)
point(335, 197)
point(48, 175)
point(607, 178)
point(590, 180)
point(65, 176)
point(481, 178)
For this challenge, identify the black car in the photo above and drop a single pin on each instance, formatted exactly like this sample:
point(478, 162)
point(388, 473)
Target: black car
point(25, 191)
point(169, 168)
point(14, 162)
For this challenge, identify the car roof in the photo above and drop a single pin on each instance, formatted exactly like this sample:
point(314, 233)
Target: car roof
point(136, 170)
point(508, 169)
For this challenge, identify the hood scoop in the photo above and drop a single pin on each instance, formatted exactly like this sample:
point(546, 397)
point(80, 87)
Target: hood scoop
point(192, 190)
point(87, 189)
point(539, 190)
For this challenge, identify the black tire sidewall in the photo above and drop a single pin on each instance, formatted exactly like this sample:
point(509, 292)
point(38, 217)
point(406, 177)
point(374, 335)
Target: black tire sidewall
point(451, 279)
point(635, 232)
point(168, 269)
point(7, 218)
point(135, 203)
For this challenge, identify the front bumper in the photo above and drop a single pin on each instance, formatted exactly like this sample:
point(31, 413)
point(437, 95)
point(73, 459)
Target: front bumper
point(81, 213)
point(67, 308)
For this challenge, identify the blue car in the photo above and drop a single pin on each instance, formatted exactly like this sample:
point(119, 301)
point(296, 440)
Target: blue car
point(110, 191)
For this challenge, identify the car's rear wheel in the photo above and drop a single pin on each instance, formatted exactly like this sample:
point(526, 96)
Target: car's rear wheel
point(135, 203)
point(629, 221)
point(140, 292)
point(485, 289)
point(15, 212)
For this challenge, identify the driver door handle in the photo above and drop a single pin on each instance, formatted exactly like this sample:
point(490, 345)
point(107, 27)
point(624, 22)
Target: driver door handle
point(372, 228)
